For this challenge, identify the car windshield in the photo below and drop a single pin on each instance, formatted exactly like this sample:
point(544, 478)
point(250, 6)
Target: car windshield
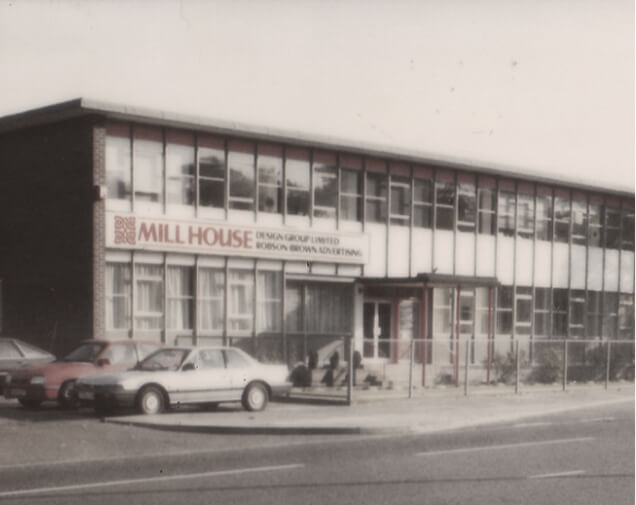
point(86, 352)
point(164, 359)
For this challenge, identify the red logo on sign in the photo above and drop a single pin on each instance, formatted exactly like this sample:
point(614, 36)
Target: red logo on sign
point(125, 230)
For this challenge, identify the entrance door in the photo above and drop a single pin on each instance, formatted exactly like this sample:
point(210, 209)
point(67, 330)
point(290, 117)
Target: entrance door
point(377, 329)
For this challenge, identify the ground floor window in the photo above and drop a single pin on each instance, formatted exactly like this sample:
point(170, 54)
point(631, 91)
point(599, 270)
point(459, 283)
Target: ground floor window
point(118, 296)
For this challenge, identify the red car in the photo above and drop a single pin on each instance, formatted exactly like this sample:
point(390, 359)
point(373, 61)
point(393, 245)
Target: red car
point(54, 381)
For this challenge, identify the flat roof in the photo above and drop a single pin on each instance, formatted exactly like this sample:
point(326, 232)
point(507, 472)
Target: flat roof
point(82, 107)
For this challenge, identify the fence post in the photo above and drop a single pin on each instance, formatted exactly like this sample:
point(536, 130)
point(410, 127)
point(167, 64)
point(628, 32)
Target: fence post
point(607, 364)
point(517, 365)
point(466, 356)
point(349, 369)
point(565, 365)
point(411, 359)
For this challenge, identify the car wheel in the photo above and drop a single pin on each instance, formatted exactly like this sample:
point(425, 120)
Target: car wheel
point(150, 400)
point(28, 403)
point(255, 397)
point(66, 397)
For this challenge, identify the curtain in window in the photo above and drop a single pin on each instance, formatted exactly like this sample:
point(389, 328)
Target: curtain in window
point(117, 296)
point(180, 293)
point(269, 295)
point(241, 300)
point(149, 294)
point(211, 285)
point(328, 309)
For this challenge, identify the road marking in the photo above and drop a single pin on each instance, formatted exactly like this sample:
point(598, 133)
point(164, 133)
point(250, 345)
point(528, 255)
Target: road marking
point(166, 478)
point(531, 425)
point(505, 446)
point(556, 475)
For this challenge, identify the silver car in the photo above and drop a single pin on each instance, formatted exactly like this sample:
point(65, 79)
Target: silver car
point(187, 375)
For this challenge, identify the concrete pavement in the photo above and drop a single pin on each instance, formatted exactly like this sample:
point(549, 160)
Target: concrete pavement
point(370, 414)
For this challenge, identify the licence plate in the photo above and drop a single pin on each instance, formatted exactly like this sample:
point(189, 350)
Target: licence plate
point(18, 393)
point(86, 395)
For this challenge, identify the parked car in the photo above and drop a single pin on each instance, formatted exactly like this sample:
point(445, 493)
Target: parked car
point(15, 354)
point(187, 375)
point(55, 381)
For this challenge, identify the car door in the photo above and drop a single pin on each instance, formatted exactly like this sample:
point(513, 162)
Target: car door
point(239, 371)
point(203, 379)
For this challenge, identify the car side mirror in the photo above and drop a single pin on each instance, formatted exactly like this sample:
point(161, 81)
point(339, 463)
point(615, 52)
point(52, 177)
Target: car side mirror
point(103, 362)
point(187, 367)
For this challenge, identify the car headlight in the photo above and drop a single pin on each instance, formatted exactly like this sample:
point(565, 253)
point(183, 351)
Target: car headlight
point(7, 379)
point(37, 379)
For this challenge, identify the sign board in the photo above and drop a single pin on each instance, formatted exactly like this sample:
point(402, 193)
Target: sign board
point(124, 231)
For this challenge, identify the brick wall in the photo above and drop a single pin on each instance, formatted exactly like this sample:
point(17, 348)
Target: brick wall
point(46, 233)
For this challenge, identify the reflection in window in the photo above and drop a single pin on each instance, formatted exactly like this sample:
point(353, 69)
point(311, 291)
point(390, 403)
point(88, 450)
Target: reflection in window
point(180, 174)
point(376, 197)
point(148, 170)
point(544, 217)
point(506, 204)
point(270, 178)
point(180, 297)
point(542, 312)
point(325, 185)
point(241, 300)
point(269, 295)
point(117, 296)
point(444, 204)
point(423, 203)
point(350, 195)
point(297, 177)
point(560, 312)
point(561, 219)
point(595, 220)
point(149, 294)
point(118, 168)
point(487, 210)
point(400, 200)
point(504, 309)
point(466, 207)
point(211, 298)
point(525, 215)
point(212, 176)
point(241, 172)
point(579, 222)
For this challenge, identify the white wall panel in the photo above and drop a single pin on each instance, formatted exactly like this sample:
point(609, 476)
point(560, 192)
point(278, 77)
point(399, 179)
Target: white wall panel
point(486, 255)
point(627, 272)
point(577, 280)
point(542, 259)
point(376, 267)
point(560, 271)
point(505, 255)
point(465, 254)
point(399, 251)
point(595, 270)
point(523, 262)
point(611, 270)
point(443, 259)
point(421, 250)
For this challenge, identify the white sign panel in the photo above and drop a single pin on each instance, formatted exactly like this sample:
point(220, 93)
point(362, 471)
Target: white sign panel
point(175, 235)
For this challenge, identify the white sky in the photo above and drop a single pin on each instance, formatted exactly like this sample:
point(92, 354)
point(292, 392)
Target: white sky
point(543, 85)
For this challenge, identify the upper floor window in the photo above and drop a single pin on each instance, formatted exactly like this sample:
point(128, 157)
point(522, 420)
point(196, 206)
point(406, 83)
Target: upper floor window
point(466, 204)
point(627, 228)
point(269, 165)
point(612, 226)
point(211, 172)
point(148, 164)
point(595, 224)
point(423, 203)
point(180, 168)
point(325, 185)
point(350, 188)
point(297, 178)
point(376, 197)
point(506, 209)
point(118, 161)
point(579, 221)
point(561, 218)
point(487, 199)
point(241, 172)
point(525, 214)
point(400, 200)
point(445, 203)
point(544, 215)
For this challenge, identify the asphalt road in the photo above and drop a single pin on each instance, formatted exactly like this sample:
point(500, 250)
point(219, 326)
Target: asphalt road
point(583, 457)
